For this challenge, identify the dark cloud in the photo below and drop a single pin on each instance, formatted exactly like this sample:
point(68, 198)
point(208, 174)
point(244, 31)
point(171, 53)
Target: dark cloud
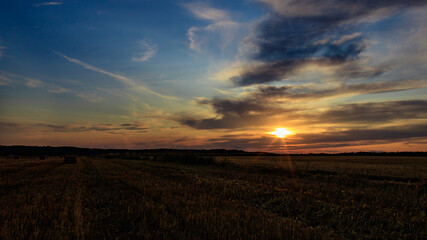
point(301, 92)
point(349, 9)
point(111, 128)
point(240, 108)
point(285, 42)
point(9, 127)
point(375, 112)
point(271, 91)
point(396, 133)
point(75, 127)
point(256, 111)
point(292, 39)
point(233, 113)
point(267, 72)
point(328, 139)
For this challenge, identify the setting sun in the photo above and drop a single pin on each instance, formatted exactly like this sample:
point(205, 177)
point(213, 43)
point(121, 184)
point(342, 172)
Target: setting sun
point(281, 132)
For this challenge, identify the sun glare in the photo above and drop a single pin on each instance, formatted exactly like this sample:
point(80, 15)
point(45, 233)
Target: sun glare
point(281, 132)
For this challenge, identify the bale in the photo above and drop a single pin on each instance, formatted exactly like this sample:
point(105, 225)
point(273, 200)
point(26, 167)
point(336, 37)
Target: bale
point(70, 159)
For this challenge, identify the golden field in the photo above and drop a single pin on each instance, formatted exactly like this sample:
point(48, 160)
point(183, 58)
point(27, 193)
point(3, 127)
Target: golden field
point(296, 197)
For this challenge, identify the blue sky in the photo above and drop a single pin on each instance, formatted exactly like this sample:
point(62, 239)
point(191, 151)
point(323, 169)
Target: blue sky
point(214, 74)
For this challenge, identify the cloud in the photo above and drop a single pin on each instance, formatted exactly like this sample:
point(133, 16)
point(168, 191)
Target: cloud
point(5, 81)
point(350, 9)
point(7, 78)
point(12, 126)
point(122, 79)
point(90, 97)
point(110, 128)
point(310, 32)
point(77, 127)
point(53, 3)
point(204, 11)
point(375, 112)
point(127, 81)
point(346, 38)
point(32, 82)
point(326, 139)
point(337, 69)
point(234, 114)
point(57, 89)
point(395, 133)
point(220, 33)
point(148, 52)
point(306, 92)
point(1, 48)
point(267, 104)
point(118, 93)
point(284, 45)
point(192, 37)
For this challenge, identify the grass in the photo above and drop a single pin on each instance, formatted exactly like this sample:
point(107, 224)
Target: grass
point(100, 198)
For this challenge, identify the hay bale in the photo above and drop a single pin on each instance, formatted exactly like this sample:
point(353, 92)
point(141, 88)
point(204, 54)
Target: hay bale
point(70, 159)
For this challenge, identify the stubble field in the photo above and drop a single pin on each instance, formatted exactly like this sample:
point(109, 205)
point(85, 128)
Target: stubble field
point(244, 198)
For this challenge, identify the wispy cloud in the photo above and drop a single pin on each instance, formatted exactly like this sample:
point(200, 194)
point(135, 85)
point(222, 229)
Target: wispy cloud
point(52, 3)
point(148, 51)
point(222, 30)
point(122, 79)
point(57, 89)
point(32, 82)
point(127, 81)
point(311, 93)
point(1, 48)
point(90, 97)
point(204, 11)
point(191, 35)
point(5, 81)
point(7, 78)
point(119, 94)
point(127, 128)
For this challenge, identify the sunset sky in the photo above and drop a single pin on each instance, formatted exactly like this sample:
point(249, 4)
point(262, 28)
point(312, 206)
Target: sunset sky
point(341, 75)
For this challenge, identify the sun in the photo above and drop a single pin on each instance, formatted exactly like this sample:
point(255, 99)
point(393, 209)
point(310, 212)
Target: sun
point(281, 132)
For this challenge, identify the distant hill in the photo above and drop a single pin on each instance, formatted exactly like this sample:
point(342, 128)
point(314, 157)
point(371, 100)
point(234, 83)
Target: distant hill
point(59, 151)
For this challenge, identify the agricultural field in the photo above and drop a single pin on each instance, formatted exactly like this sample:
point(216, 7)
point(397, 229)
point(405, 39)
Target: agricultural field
point(296, 197)
point(380, 166)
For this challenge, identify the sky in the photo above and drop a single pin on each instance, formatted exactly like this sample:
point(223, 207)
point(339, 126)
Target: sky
point(340, 75)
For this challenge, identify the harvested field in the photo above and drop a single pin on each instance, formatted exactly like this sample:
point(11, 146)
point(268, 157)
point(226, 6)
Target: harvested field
point(100, 198)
